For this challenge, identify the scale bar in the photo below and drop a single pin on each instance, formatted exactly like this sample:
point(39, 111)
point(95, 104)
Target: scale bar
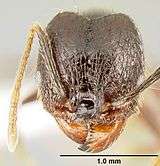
point(111, 155)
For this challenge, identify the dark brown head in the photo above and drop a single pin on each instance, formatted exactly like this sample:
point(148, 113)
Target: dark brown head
point(98, 60)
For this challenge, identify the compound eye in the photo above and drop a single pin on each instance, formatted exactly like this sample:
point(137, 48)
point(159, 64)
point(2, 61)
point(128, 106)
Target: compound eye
point(89, 104)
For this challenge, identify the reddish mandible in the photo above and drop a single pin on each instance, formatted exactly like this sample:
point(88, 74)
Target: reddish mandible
point(91, 69)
